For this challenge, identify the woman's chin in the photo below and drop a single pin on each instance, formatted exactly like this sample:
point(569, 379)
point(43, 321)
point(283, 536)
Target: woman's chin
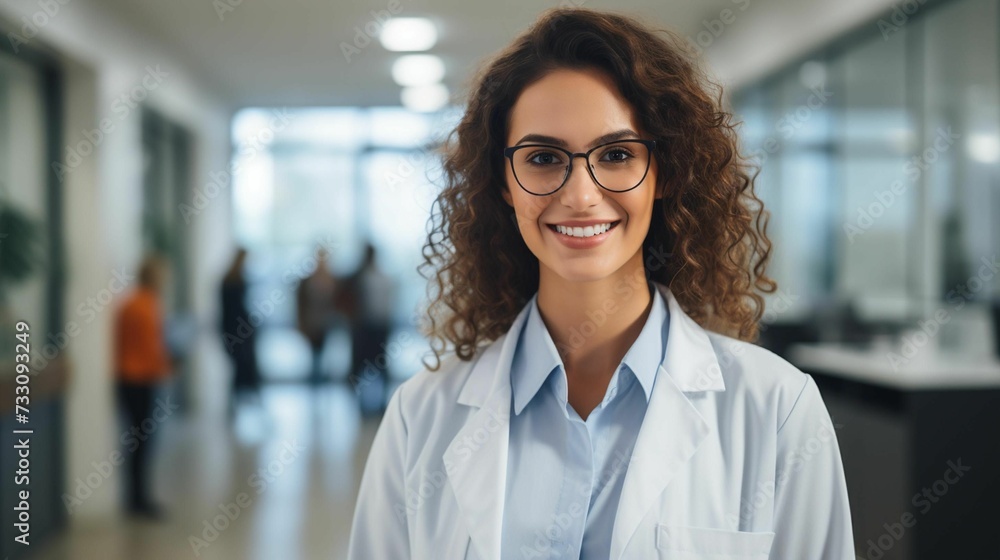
point(581, 271)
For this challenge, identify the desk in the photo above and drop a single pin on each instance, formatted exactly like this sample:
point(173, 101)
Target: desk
point(921, 450)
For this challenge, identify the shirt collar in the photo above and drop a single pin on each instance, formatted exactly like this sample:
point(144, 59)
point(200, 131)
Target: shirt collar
point(536, 357)
point(646, 353)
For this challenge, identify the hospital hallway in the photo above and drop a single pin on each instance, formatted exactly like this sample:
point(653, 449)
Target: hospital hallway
point(306, 450)
point(203, 202)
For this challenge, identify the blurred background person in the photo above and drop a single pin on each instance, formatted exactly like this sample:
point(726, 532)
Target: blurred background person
point(314, 311)
point(142, 364)
point(368, 298)
point(238, 334)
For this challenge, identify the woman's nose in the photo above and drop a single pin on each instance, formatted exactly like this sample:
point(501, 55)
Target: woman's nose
point(580, 190)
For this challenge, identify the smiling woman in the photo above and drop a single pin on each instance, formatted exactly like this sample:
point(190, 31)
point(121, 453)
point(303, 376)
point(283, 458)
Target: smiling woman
point(597, 268)
point(536, 91)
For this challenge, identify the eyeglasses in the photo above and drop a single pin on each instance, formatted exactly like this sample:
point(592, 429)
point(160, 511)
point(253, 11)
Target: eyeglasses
point(542, 169)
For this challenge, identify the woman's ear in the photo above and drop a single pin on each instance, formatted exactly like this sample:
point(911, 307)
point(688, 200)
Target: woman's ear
point(506, 196)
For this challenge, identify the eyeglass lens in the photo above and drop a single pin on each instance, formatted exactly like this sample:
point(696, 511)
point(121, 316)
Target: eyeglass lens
point(617, 167)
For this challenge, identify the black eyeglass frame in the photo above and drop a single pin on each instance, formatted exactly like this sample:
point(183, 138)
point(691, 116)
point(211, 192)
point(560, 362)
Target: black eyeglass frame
point(509, 151)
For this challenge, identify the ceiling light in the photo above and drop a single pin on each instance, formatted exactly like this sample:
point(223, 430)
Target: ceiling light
point(427, 98)
point(417, 70)
point(408, 34)
point(984, 148)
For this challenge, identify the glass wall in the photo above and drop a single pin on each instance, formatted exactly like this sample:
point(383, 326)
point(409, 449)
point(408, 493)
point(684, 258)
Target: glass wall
point(962, 125)
point(23, 198)
point(878, 159)
point(31, 281)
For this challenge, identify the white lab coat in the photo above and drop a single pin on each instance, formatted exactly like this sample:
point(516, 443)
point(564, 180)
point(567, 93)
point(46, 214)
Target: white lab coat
point(736, 458)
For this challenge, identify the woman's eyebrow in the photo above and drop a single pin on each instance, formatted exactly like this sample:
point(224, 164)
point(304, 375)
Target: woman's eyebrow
point(609, 137)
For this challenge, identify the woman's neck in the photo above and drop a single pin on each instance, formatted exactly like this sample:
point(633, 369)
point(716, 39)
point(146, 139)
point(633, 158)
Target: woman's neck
point(593, 324)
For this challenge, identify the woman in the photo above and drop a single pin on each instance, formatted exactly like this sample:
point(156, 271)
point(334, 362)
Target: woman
point(599, 261)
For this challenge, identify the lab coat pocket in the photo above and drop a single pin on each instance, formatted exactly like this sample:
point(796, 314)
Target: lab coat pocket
point(678, 542)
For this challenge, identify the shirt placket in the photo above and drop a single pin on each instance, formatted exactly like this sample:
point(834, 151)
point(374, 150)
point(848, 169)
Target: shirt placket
point(569, 520)
point(575, 499)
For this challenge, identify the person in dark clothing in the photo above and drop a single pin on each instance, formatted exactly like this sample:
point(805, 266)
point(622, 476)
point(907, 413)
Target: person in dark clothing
point(238, 334)
point(367, 298)
point(315, 312)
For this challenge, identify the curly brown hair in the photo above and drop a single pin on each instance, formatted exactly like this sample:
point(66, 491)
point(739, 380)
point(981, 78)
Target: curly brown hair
point(713, 226)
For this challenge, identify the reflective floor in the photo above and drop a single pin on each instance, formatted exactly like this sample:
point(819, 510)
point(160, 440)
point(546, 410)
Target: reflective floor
point(278, 482)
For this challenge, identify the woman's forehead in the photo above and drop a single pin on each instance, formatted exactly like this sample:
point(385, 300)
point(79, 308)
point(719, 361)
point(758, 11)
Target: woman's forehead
point(574, 105)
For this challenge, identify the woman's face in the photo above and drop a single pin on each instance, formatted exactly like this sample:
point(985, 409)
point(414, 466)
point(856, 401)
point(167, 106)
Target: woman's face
point(578, 107)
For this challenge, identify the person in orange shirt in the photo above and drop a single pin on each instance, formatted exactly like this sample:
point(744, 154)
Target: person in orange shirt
point(141, 363)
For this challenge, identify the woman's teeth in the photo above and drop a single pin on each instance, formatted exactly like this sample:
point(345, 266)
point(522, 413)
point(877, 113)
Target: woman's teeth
point(584, 231)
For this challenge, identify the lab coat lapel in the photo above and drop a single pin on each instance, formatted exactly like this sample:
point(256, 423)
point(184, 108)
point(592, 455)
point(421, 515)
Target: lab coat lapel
point(476, 459)
point(672, 428)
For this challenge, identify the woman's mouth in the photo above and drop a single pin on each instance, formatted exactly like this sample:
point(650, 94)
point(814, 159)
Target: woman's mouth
point(584, 232)
point(583, 237)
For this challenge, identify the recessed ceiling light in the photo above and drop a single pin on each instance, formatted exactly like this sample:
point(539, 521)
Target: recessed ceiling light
point(984, 148)
point(417, 70)
point(408, 34)
point(427, 98)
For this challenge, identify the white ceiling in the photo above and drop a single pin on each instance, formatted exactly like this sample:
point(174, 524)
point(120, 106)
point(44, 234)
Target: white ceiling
point(288, 52)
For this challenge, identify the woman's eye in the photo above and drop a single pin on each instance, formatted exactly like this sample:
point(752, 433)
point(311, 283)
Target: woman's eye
point(617, 154)
point(544, 158)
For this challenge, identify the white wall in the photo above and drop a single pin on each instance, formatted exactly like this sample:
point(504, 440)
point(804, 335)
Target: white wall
point(764, 35)
point(105, 58)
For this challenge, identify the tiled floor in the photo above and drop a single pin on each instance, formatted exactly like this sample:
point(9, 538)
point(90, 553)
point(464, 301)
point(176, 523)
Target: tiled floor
point(287, 472)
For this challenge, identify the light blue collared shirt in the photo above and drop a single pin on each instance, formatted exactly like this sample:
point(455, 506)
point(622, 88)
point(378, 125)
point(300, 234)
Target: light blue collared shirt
point(565, 474)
